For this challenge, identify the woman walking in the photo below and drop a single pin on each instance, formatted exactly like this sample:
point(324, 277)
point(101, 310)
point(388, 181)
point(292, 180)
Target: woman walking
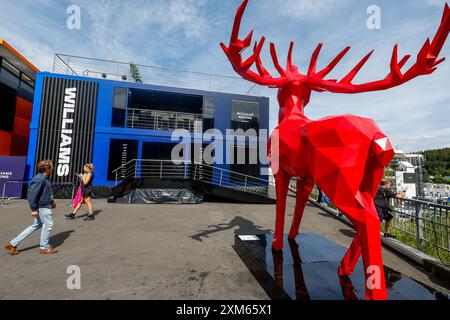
point(86, 189)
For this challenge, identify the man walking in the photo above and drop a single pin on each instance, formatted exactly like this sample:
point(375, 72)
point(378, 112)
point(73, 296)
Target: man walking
point(382, 203)
point(40, 199)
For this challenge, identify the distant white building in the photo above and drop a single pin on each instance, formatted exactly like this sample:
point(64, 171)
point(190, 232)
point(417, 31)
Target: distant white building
point(436, 190)
point(407, 169)
point(405, 179)
point(413, 158)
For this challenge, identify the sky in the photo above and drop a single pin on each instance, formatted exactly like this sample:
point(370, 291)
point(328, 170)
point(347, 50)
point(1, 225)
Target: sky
point(186, 34)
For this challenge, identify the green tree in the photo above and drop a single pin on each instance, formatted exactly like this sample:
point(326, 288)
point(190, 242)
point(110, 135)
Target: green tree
point(437, 165)
point(135, 73)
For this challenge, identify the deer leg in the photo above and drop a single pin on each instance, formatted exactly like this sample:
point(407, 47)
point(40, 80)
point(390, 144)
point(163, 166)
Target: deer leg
point(282, 180)
point(350, 260)
point(372, 259)
point(367, 241)
point(304, 188)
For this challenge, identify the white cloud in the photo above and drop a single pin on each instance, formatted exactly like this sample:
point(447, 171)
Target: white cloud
point(306, 9)
point(186, 34)
point(439, 3)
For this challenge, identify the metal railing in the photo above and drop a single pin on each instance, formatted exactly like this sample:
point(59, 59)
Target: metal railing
point(163, 120)
point(423, 225)
point(25, 182)
point(186, 170)
point(156, 75)
point(420, 224)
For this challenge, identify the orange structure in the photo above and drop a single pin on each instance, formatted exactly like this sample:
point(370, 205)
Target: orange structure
point(17, 78)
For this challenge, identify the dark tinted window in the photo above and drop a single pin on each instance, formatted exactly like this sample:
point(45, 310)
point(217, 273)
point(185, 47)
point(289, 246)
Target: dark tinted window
point(8, 78)
point(25, 91)
point(165, 101)
point(119, 107)
point(208, 113)
point(157, 151)
point(8, 107)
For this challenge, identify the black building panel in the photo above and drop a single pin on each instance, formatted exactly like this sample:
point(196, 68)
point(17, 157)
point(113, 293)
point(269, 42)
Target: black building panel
point(66, 125)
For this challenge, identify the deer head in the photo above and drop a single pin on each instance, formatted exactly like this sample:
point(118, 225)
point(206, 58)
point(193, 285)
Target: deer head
point(302, 84)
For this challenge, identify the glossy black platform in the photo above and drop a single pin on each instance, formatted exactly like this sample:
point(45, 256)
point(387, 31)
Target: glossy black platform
point(307, 270)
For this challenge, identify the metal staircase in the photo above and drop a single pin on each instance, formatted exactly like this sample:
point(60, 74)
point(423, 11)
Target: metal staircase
point(209, 180)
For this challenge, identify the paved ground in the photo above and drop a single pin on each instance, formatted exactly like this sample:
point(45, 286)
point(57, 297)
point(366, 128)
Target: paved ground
point(153, 252)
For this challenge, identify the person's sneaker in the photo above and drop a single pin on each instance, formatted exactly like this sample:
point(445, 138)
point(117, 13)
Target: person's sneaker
point(49, 250)
point(389, 235)
point(70, 216)
point(90, 217)
point(11, 249)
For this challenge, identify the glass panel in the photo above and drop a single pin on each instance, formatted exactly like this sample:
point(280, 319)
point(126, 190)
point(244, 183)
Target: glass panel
point(119, 107)
point(165, 101)
point(25, 91)
point(8, 66)
point(208, 113)
point(27, 80)
point(9, 78)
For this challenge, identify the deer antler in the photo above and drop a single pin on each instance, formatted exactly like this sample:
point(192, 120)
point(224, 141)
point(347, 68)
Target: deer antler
point(237, 46)
point(426, 63)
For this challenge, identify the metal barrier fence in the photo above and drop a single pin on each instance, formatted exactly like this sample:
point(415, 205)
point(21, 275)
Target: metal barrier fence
point(25, 182)
point(423, 225)
point(163, 120)
point(420, 224)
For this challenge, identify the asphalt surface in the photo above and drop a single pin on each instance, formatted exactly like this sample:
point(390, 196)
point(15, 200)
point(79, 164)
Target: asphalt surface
point(154, 251)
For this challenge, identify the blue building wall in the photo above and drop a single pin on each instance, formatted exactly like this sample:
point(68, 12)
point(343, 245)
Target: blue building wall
point(104, 131)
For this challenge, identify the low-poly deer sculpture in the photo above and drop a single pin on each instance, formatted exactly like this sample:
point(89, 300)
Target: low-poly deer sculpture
point(344, 155)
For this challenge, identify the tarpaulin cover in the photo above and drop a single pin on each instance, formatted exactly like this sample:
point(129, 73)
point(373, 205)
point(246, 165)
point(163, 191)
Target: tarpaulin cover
point(176, 196)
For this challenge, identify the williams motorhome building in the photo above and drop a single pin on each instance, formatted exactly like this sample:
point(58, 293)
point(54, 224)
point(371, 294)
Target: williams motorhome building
point(77, 120)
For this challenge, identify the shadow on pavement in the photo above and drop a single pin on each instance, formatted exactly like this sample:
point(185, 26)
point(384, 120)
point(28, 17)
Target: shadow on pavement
point(55, 240)
point(96, 213)
point(348, 232)
point(245, 227)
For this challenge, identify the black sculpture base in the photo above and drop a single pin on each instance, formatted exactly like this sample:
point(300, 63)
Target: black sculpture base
point(307, 270)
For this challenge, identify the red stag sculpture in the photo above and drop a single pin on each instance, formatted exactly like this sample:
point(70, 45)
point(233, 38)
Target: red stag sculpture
point(344, 155)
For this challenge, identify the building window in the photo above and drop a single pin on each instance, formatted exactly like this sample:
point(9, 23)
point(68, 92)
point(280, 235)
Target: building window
point(164, 111)
point(119, 107)
point(245, 115)
point(7, 77)
point(157, 151)
point(208, 113)
point(25, 91)
point(8, 104)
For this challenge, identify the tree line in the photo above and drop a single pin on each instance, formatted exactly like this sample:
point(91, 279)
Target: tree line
point(437, 166)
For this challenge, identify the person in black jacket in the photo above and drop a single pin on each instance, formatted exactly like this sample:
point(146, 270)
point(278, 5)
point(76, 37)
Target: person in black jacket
point(40, 199)
point(383, 205)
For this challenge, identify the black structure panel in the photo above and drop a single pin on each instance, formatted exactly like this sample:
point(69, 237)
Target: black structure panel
point(66, 125)
point(409, 178)
point(8, 107)
point(120, 153)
